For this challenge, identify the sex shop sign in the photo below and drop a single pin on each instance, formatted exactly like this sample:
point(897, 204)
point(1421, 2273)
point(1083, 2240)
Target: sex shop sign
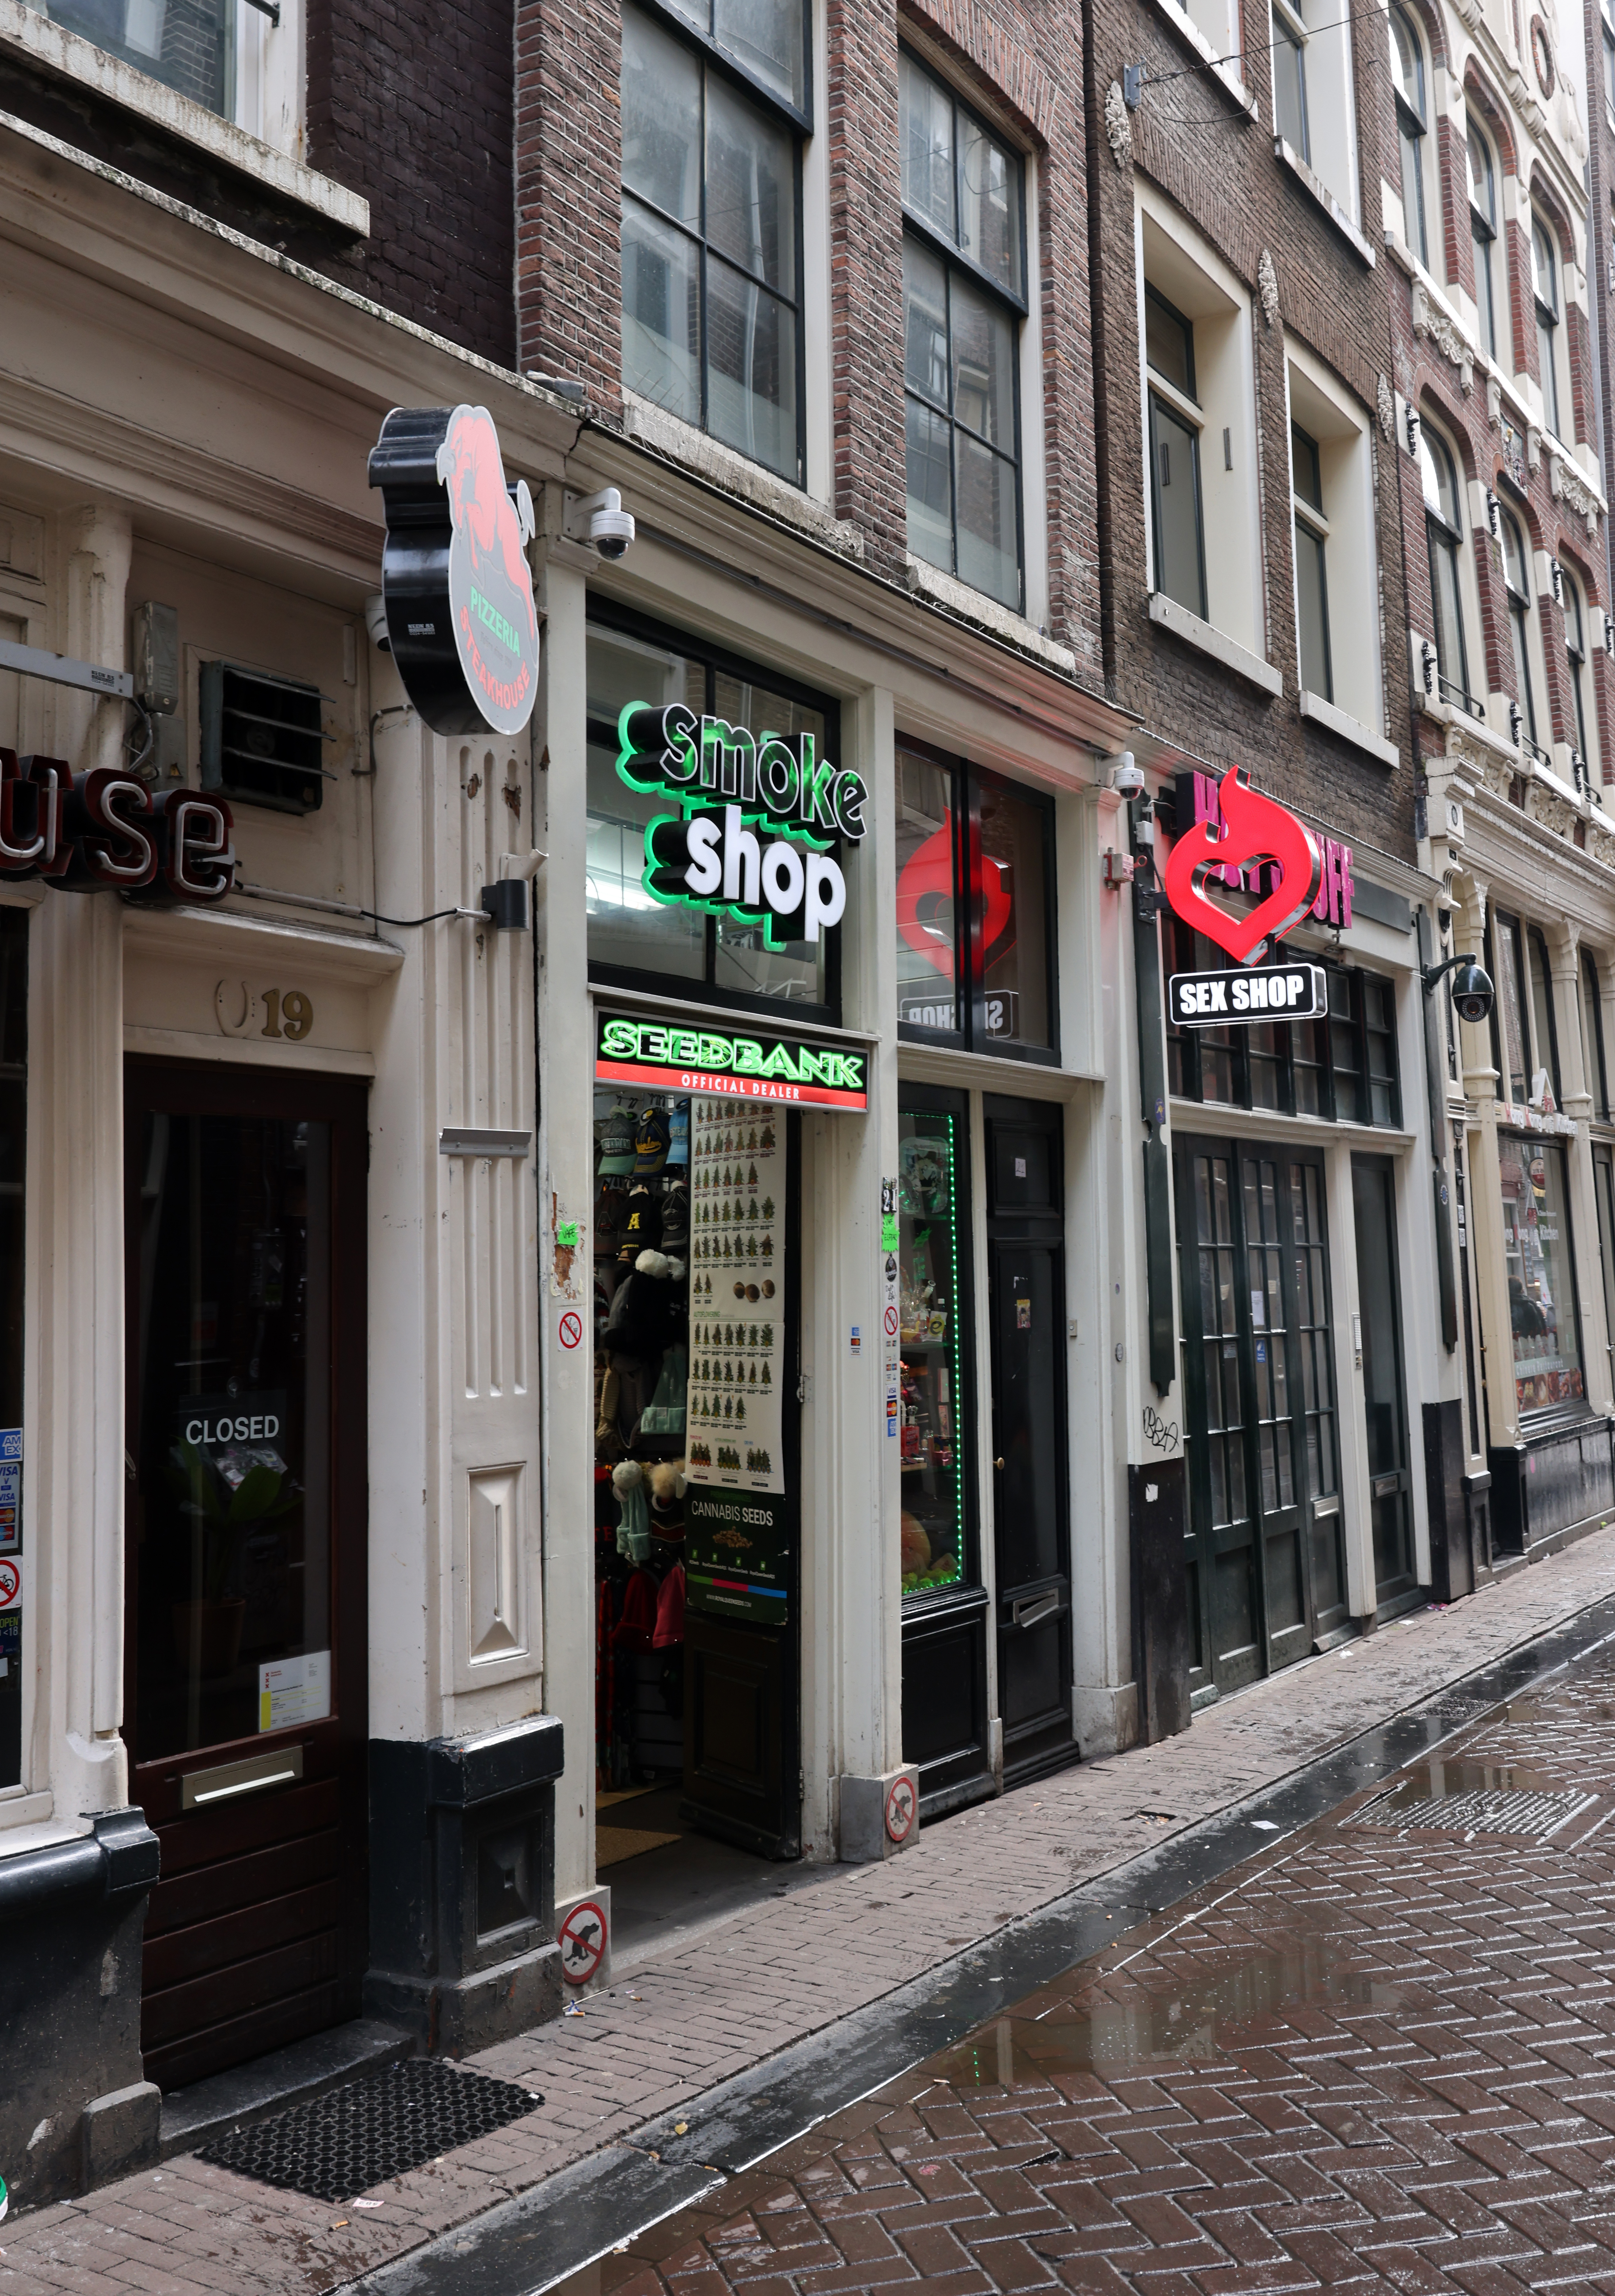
point(1233, 834)
point(462, 624)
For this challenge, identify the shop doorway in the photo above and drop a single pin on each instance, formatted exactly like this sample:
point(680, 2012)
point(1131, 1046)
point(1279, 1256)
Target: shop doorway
point(1265, 1571)
point(1385, 1411)
point(1031, 1527)
point(696, 1478)
point(245, 1552)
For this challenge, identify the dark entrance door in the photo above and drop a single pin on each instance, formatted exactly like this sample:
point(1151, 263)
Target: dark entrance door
point(1384, 1406)
point(1265, 1575)
point(1026, 1269)
point(245, 1558)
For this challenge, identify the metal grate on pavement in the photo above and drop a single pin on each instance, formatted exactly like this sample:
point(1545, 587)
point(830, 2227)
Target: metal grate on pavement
point(360, 2134)
point(1482, 1810)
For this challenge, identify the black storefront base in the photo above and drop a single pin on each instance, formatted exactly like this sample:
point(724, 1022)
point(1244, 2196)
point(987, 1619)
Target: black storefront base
point(463, 1884)
point(945, 1699)
point(1557, 1482)
point(75, 2108)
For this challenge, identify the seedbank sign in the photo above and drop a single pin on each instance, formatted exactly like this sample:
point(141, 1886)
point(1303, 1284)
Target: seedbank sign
point(795, 1071)
point(757, 817)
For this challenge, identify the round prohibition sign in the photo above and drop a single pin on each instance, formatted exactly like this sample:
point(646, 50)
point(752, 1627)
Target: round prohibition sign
point(900, 1809)
point(583, 1942)
point(571, 1328)
point(11, 1581)
point(891, 1323)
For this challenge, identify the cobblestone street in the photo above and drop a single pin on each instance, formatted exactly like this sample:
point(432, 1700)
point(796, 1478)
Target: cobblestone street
point(1384, 2057)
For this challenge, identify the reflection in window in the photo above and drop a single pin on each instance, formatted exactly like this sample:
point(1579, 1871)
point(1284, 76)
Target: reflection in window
point(1443, 534)
point(1537, 1262)
point(13, 1167)
point(964, 292)
point(1545, 1031)
point(933, 1275)
point(1290, 77)
point(710, 297)
point(1311, 530)
point(927, 865)
point(1177, 526)
point(1595, 1069)
point(1407, 82)
point(1483, 232)
point(1509, 1039)
point(1516, 580)
point(187, 44)
point(1576, 659)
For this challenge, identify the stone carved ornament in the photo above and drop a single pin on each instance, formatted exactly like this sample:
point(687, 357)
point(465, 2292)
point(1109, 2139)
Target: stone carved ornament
point(1118, 128)
point(1434, 323)
point(1569, 488)
point(1266, 281)
point(1387, 406)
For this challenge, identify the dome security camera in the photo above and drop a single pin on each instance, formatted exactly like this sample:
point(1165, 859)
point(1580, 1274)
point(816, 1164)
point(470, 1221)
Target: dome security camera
point(1471, 991)
point(1126, 775)
point(600, 519)
point(375, 622)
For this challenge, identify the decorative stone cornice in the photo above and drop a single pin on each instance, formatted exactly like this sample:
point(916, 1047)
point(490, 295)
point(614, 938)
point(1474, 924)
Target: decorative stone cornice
point(1117, 127)
point(1431, 320)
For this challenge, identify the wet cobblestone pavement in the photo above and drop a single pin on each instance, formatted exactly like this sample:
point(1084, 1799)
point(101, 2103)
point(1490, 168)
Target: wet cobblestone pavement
point(1381, 2054)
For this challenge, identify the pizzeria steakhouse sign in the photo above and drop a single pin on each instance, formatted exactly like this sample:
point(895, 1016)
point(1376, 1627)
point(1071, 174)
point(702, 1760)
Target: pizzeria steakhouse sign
point(1244, 839)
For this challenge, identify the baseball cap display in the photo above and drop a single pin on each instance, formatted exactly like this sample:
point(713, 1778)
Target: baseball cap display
point(675, 1216)
point(614, 1140)
point(678, 1133)
point(651, 1142)
point(641, 1230)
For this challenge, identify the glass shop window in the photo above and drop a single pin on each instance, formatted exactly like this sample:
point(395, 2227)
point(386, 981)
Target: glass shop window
point(14, 1162)
point(636, 939)
point(977, 972)
point(1525, 1035)
point(1594, 1066)
point(937, 1523)
point(1342, 1067)
point(1538, 1262)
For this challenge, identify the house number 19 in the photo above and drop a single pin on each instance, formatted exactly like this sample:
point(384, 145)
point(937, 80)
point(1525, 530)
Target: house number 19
point(287, 1012)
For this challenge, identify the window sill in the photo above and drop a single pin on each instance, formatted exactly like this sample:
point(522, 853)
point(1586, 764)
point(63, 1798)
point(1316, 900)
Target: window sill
point(1186, 28)
point(65, 55)
point(1348, 729)
point(928, 581)
point(1311, 182)
point(708, 458)
point(1228, 651)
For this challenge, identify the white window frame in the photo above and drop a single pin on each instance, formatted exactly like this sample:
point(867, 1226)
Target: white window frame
point(1329, 152)
point(1320, 403)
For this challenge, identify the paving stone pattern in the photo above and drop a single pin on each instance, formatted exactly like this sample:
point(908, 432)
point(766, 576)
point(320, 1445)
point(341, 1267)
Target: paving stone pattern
point(717, 2003)
point(1381, 2059)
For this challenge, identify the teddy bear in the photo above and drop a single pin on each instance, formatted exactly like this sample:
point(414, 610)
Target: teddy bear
point(665, 1477)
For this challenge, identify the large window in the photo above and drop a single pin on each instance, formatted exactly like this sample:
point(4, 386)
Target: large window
point(1408, 82)
point(1177, 525)
point(1585, 726)
point(1525, 1033)
point(190, 45)
point(974, 970)
point(963, 298)
point(1545, 286)
point(1311, 574)
point(1342, 1067)
point(1444, 536)
point(633, 937)
point(1290, 77)
point(1539, 1263)
point(1483, 234)
point(711, 244)
point(1517, 582)
point(13, 1144)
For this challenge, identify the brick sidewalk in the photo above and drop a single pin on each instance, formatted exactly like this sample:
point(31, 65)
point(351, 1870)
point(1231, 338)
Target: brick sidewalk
point(778, 1973)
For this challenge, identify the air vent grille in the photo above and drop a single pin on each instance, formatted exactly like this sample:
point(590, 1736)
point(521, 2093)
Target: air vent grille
point(262, 742)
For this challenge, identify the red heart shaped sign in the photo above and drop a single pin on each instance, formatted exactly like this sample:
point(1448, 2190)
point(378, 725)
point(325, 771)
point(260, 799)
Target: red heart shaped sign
point(1255, 828)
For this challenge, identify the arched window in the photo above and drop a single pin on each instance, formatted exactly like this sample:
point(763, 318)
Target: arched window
point(1407, 79)
point(1576, 655)
point(1483, 232)
point(1444, 532)
point(1517, 579)
point(1544, 284)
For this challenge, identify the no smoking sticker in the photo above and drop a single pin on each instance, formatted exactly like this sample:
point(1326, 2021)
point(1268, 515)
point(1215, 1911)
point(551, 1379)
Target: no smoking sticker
point(899, 1808)
point(11, 1584)
point(891, 1323)
point(571, 1328)
point(583, 1941)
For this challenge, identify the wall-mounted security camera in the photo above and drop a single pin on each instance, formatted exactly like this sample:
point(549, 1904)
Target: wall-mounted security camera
point(1471, 985)
point(375, 622)
point(601, 520)
point(1126, 775)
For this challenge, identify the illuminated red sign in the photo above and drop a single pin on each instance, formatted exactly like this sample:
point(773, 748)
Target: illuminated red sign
point(105, 831)
point(1230, 834)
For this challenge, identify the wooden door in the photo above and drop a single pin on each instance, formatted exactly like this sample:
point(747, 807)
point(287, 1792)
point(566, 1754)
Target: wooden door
point(1384, 1396)
point(244, 1600)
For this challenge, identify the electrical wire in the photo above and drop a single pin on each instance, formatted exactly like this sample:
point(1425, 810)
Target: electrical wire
point(1263, 48)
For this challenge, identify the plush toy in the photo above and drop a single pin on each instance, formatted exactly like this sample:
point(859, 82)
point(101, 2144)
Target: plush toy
point(914, 1544)
point(634, 1528)
point(665, 1477)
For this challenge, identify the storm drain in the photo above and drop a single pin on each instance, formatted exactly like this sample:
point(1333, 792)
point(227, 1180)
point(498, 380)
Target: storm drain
point(383, 2127)
point(1482, 1810)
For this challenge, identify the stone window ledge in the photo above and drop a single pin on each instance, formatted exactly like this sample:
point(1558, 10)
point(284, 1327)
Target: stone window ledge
point(1186, 28)
point(1170, 616)
point(51, 48)
point(706, 458)
point(1349, 729)
point(972, 605)
point(1313, 182)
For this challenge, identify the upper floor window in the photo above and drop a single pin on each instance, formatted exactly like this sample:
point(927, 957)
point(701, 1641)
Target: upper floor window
point(711, 226)
point(1517, 582)
point(1312, 103)
point(964, 296)
point(1290, 77)
point(1444, 536)
point(1407, 81)
point(1483, 232)
point(1178, 532)
point(1311, 576)
point(1575, 658)
point(1545, 285)
point(204, 49)
point(975, 915)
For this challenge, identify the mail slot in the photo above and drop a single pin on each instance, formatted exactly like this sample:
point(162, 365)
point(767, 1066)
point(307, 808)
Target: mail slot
point(201, 1789)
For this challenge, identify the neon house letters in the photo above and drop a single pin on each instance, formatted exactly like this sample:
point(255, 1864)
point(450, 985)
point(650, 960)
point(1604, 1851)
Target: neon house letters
point(757, 815)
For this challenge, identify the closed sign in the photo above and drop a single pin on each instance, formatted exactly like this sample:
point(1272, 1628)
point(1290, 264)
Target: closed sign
point(1291, 992)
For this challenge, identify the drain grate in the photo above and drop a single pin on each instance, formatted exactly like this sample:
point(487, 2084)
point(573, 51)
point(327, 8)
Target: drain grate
point(361, 2135)
point(1482, 1810)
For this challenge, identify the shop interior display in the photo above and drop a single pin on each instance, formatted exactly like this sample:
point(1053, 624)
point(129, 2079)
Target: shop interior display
point(932, 1526)
point(642, 1307)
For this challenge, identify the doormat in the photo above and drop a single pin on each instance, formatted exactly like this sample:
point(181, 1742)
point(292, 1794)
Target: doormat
point(359, 2136)
point(613, 1843)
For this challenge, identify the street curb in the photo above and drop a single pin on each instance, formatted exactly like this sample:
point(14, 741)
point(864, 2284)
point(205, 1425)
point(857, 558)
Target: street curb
point(538, 2239)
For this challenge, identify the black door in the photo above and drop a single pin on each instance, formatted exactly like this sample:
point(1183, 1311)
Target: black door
point(1026, 1268)
point(1264, 1578)
point(1384, 1407)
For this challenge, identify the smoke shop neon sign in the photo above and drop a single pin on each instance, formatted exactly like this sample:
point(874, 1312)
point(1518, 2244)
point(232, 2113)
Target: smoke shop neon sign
point(757, 815)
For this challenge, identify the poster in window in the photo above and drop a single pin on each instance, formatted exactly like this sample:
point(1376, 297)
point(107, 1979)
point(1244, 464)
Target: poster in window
point(737, 1282)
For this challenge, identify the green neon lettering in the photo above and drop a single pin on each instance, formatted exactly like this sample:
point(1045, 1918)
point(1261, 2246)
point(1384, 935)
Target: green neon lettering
point(716, 1053)
point(813, 1068)
point(654, 1044)
point(684, 1048)
point(748, 1057)
point(621, 1040)
point(779, 1063)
